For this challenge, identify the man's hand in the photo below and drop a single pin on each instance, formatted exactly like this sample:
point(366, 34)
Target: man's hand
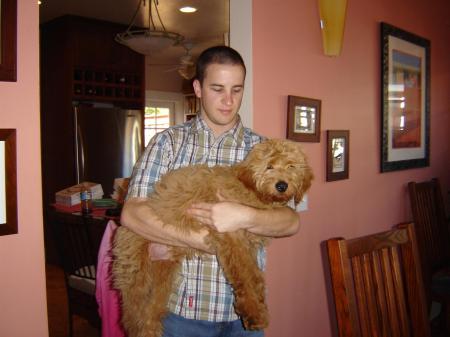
point(223, 216)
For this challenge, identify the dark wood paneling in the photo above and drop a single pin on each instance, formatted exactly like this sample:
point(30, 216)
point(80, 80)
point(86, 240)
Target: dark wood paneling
point(67, 43)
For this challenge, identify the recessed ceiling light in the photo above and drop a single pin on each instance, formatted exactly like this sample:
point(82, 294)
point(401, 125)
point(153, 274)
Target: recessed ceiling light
point(188, 9)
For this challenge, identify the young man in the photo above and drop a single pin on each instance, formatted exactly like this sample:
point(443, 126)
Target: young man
point(201, 303)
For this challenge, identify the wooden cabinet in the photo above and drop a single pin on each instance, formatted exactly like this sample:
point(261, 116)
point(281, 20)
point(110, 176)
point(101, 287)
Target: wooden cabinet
point(81, 64)
point(106, 85)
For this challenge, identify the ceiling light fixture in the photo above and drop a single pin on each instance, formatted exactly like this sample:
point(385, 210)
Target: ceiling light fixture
point(188, 9)
point(152, 39)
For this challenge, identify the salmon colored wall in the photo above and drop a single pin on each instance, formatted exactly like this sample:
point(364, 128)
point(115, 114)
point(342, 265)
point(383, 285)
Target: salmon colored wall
point(23, 310)
point(288, 60)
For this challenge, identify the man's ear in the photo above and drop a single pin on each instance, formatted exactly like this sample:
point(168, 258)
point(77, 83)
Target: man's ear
point(197, 88)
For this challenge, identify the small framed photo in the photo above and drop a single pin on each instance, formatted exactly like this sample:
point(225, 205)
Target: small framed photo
point(303, 123)
point(405, 101)
point(338, 145)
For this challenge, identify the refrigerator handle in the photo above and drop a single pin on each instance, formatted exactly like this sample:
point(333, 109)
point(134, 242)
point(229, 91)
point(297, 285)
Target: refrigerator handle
point(79, 149)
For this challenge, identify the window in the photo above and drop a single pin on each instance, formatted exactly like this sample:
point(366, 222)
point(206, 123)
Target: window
point(157, 118)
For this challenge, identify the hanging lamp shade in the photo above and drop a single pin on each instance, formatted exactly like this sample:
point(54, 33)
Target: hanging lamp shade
point(147, 42)
point(332, 23)
point(152, 39)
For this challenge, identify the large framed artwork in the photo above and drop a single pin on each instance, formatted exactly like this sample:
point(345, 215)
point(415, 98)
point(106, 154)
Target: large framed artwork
point(8, 40)
point(405, 124)
point(8, 182)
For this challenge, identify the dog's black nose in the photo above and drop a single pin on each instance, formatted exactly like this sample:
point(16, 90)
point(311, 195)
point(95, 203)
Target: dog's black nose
point(281, 186)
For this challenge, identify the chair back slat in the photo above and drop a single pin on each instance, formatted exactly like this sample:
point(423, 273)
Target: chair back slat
point(346, 305)
point(400, 292)
point(376, 292)
point(377, 285)
point(362, 284)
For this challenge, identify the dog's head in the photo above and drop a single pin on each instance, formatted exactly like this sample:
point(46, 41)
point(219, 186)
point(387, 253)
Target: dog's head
point(277, 170)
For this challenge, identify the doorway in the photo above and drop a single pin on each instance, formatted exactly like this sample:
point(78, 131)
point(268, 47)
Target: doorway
point(240, 39)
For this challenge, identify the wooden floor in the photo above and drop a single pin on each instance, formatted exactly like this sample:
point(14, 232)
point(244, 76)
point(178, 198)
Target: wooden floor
point(57, 308)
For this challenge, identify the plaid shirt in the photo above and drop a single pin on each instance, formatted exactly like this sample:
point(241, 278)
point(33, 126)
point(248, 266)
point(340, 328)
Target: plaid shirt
point(201, 290)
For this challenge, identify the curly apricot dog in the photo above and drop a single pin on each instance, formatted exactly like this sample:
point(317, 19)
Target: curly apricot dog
point(273, 173)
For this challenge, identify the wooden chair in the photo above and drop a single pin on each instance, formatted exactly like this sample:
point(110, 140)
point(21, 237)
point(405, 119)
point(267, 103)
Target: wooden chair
point(433, 238)
point(377, 285)
point(77, 247)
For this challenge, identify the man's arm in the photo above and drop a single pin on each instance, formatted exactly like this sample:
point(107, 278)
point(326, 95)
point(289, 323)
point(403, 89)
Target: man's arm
point(141, 219)
point(227, 216)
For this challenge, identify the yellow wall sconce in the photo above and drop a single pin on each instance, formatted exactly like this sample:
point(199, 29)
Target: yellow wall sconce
point(332, 23)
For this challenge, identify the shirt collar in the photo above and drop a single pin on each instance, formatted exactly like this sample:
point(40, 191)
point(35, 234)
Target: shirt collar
point(236, 132)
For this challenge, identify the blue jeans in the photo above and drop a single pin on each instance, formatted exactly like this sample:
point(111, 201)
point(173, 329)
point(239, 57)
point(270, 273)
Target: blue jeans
point(178, 326)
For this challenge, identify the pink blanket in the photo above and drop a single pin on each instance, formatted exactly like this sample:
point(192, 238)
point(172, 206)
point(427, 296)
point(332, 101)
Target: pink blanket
point(107, 298)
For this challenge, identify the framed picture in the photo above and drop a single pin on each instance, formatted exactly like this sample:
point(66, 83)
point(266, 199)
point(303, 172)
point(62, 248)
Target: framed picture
point(338, 145)
point(8, 182)
point(303, 119)
point(405, 125)
point(8, 40)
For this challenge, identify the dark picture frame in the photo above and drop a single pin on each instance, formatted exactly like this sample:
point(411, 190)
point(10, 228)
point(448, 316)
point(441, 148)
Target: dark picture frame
point(338, 154)
point(303, 119)
point(8, 182)
point(405, 101)
point(8, 40)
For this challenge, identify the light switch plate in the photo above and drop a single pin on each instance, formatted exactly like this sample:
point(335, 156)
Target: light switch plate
point(302, 205)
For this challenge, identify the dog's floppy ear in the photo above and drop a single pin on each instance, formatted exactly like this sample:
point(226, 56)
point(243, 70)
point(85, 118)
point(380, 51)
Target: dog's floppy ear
point(305, 183)
point(245, 175)
point(246, 168)
point(305, 176)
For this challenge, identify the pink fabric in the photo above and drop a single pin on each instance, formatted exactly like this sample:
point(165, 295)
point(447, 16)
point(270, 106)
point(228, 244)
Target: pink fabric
point(107, 298)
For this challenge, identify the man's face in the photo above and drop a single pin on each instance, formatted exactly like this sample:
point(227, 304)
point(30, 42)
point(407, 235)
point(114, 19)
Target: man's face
point(221, 95)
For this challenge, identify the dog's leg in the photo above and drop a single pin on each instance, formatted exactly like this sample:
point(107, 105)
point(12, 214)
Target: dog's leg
point(132, 277)
point(144, 285)
point(238, 260)
point(163, 273)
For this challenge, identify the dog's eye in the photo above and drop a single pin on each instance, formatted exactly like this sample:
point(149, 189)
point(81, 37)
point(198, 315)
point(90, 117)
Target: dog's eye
point(269, 167)
point(291, 167)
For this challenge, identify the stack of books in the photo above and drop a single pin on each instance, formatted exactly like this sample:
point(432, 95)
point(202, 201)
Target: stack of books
point(71, 196)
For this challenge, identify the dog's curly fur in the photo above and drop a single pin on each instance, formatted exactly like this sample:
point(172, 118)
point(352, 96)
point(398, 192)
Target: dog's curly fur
point(273, 173)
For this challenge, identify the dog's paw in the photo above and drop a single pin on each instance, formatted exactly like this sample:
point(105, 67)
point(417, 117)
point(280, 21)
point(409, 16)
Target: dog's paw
point(255, 323)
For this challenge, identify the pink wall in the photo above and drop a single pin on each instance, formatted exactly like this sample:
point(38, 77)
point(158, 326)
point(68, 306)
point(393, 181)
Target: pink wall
point(288, 60)
point(22, 279)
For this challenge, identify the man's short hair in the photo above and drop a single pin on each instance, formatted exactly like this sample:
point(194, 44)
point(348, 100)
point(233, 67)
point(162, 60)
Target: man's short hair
point(218, 55)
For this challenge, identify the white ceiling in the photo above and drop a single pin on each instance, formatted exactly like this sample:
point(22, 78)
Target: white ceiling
point(204, 28)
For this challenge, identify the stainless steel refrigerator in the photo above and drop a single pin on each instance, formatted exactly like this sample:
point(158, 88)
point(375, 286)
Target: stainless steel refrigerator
point(108, 142)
